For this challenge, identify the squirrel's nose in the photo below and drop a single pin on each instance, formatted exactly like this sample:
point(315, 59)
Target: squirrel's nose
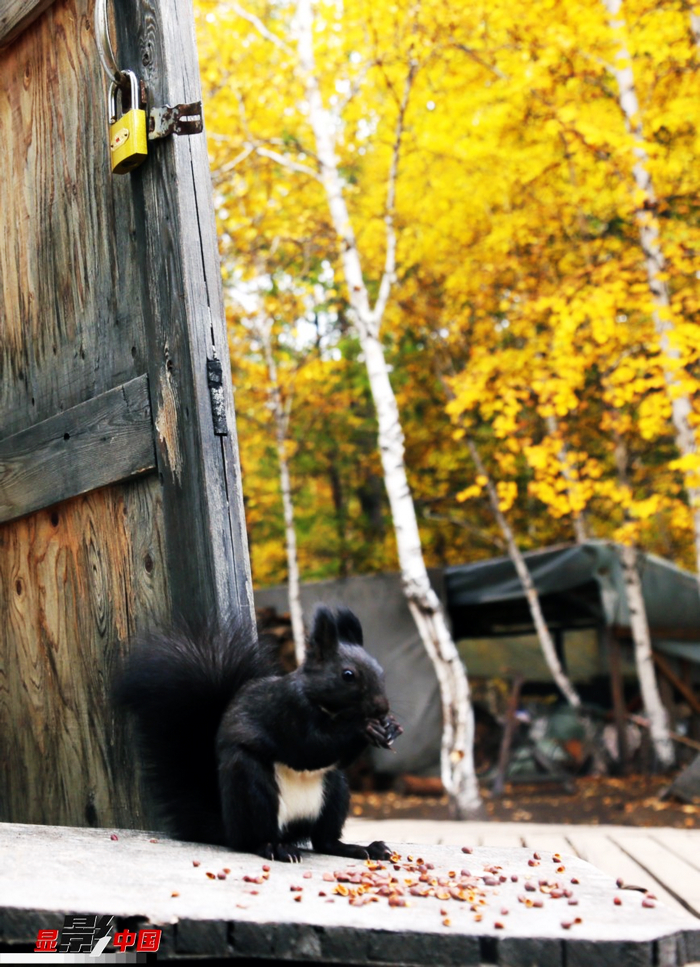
point(381, 706)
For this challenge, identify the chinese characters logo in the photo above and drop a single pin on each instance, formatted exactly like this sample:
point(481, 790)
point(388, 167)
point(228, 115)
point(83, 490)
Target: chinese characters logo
point(91, 934)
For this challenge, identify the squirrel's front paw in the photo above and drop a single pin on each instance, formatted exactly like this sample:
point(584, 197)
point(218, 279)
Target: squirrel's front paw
point(382, 732)
point(378, 850)
point(285, 853)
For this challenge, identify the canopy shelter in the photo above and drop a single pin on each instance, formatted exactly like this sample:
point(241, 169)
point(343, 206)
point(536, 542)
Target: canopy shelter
point(581, 590)
point(582, 593)
point(580, 586)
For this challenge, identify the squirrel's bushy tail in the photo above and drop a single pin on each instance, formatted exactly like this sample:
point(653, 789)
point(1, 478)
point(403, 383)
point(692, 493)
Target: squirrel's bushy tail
point(177, 684)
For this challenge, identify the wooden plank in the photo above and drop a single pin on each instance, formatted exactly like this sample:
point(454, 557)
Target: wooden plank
point(682, 842)
point(438, 832)
point(491, 834)
point(604, 853)
point(185, 326)
point(77, 582)
point(98, 442)
point(71, 308)
point(677, 876)
point(104, 279)
point(553, 840)
point(17, 15)
point(66, 870)
point(601, 846)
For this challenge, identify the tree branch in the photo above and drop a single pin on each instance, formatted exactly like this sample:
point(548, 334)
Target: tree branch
point(262, 29)
point(234, 162)
point(354, 88)
point(253, 145)
point(479, 60)
point(389, 274)
point(286, 162)
point(488, 539)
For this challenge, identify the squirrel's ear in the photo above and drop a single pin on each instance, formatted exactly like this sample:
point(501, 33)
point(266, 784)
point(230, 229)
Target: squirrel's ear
point(349, 627)
point(323, 640)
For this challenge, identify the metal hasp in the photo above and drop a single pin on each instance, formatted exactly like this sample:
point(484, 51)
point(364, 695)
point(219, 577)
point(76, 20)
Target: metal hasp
point(215, 382)
point(180, 119)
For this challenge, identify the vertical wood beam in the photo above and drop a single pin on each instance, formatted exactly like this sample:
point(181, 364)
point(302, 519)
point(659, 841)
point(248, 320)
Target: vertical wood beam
point(183, 300)
point(508, 733)
point(618, 696)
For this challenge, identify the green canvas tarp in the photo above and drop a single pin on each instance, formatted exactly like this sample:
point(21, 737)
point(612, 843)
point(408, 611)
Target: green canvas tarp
point(580, 586)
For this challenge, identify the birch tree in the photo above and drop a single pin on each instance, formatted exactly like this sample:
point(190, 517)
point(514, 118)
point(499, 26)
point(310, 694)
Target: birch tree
point(519, 237)
point(533, 599)
point(262, 325)
point(483, 479)
point(641, 636)
point(695, 23)
point(681, 406)
point(457, 764)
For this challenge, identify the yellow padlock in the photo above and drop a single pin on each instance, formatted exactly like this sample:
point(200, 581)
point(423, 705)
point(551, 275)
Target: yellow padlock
point(128, 135)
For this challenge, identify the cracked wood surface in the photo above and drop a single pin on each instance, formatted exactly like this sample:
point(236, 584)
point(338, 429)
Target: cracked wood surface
point(110, 307)
point(246, 913)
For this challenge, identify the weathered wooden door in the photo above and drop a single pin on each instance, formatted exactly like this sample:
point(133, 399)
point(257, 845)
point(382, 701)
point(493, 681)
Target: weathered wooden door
point(120, 499)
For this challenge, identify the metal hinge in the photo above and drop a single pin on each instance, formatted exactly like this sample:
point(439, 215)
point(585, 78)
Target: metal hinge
point(180, 119)
point(215, 382)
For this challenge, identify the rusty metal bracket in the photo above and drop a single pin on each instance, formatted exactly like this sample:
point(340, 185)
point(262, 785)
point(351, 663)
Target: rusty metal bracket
point(215, 382)
point(180, 119)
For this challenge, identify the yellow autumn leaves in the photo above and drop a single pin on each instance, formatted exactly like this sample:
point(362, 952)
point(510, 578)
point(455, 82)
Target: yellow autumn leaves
point(522, 284)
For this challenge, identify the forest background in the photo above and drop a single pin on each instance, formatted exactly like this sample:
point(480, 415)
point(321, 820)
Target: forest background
point(544, 305)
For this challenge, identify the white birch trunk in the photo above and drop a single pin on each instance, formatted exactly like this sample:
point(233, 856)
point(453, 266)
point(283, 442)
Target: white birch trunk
point(695, 24)
point(639, 625)
point(263, 330)
point(546, 643)
point(653, 706)
point(457, 763)
point(681, 408)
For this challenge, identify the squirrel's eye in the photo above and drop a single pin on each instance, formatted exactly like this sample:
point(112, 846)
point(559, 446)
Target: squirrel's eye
point(348, 674)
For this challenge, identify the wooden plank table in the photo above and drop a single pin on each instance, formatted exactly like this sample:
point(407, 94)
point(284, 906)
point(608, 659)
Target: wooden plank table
point(665, 860)
point(492, 905)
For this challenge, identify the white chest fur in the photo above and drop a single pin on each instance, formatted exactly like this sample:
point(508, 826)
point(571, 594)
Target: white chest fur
point(300, 793)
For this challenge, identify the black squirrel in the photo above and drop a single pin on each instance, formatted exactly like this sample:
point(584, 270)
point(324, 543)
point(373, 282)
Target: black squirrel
point(240, 755)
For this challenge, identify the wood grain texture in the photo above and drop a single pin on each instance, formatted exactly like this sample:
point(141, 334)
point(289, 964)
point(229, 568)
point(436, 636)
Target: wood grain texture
point(71, 317)
point(57, 870)
point(681, 877)
point(17, 15)
point(185, 325)
point(71, 329)
point(73, 583)
point(104, 279)
point(655, 859)
point(101, 441)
